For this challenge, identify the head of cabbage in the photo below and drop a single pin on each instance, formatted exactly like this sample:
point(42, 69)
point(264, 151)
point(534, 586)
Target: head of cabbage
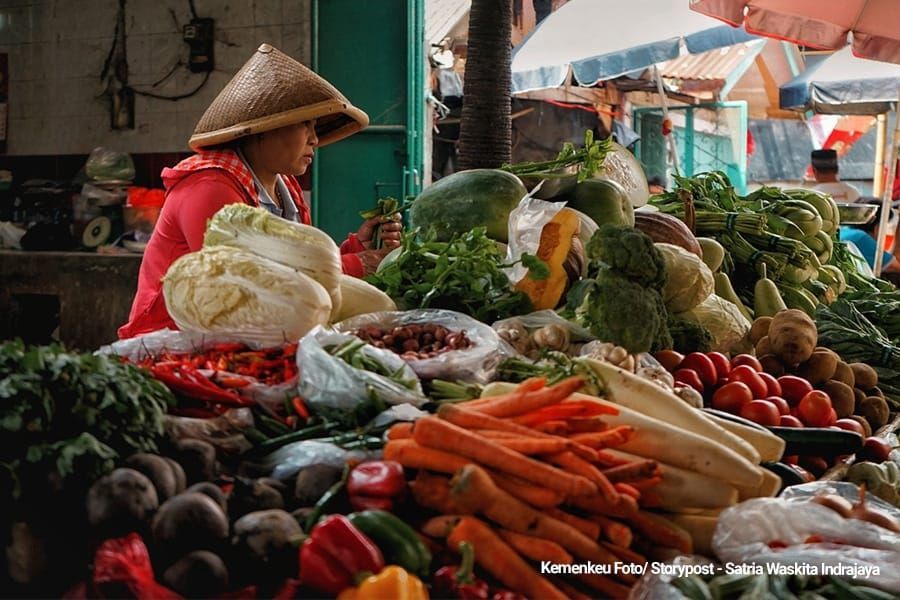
point(723, 319)
point(228, 291)
point(689, 282)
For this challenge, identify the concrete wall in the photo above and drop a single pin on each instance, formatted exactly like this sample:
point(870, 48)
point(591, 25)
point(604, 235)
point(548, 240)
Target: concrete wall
point(57, 50)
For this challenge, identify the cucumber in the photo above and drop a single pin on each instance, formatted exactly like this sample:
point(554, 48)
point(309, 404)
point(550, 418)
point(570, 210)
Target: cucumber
point(736, 419)
point(818, 441)
point(788, 475)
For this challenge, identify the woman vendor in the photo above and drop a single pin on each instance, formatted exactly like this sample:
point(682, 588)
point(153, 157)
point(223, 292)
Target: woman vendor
point(257, 135)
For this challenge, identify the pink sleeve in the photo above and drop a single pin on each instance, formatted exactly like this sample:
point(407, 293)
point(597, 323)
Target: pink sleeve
point(352, 265)
point(200, 196)
point(352, 245)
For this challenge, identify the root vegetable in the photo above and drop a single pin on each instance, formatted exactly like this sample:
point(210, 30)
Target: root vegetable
point(793, 336)
point(844, 374)
point(771, 364)
point(187, 522)
point(200, 574)
point(197, 458)
point(843, 401)
point(759, 329)
point(251, 495)
point(875, 391)
point(859, 395)
point(265, 545)
point(157, 470)
point(865, 376)
point(875, 410)
point(836, 503)
point(864, 513)
point(213, 491)
point(313, 481)
point(121, 502)
point(867, 429)
point(820, 367)
point(764, 346)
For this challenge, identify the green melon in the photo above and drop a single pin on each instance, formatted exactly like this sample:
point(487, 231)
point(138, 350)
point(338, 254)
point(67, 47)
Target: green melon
point(468, 199)
point(604, 202)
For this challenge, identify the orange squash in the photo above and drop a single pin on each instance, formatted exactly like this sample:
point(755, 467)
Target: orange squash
point(554, 247)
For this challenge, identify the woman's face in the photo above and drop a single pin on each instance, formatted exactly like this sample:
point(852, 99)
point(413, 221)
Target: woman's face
point(289, 150)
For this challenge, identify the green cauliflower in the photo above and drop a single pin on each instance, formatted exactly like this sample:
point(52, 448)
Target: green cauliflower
point(689, 336)
point(630, 253)
point(619, 310)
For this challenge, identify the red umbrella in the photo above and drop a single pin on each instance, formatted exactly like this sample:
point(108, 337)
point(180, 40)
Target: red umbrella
point(824, 24)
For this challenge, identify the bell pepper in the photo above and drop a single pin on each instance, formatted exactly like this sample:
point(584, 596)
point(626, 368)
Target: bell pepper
point(393, 583)
point(336, 554)
point(398, 541)
point(459, 582)
point(376, 484)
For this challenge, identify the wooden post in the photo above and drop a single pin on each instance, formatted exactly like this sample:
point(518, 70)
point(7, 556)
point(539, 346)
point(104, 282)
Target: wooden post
point(880, 142)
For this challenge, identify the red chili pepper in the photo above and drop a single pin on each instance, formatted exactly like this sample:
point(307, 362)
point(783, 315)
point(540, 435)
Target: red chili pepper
point(189, 382)
point(373, 481)
point(232, 382)
point(228, 347)
point(299, 407)
point(459, 581)
point(335, 554)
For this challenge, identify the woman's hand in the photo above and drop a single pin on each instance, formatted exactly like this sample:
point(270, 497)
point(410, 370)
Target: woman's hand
point(372, 258)
point(390, 228)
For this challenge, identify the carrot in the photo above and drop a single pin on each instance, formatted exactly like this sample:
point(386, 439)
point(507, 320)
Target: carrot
point(638, 469)
point(497, 558)
point(529, 385)
point(517, 403)
point(441, 435)
point(609, 460)
point(586, 424)
point(569, 590)
point(440, 526)
point(579, 466)
point(529, 493)
point(553, 427)
point(555, 412)
point(606, 586)
point(624, 507)
point(433, 491)
point(400, 431)
point(410, 454)
point(472, 487)
point(536, 549)
point(627, 490)
point(614, 531)
point(662, 532)
point(625, 554)
point(643, 485)
point(605, 439)
point(588, 528)
point(530, 445)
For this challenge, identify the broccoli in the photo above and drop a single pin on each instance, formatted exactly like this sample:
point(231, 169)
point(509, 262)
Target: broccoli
point(689, 336)
point(619, 310)
point(630, 253)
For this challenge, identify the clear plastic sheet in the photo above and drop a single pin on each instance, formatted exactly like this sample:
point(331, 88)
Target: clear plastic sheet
point(526, 223)
point(109, 164)
point(656, 586)
point(329, 382)
point(224, 432)
point(541, 318)
point(289, 460)
point(475, 364)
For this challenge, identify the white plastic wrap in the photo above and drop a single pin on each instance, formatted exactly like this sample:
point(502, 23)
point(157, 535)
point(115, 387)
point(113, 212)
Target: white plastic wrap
point(475, 364)
point(224, 432)
point(744, 532)
point(526, 222)
point(289, 460)
point(541, 318)
point(329, 382)
point(657, 586)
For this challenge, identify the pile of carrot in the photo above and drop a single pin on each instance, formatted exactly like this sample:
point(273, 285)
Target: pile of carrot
point(524, 477)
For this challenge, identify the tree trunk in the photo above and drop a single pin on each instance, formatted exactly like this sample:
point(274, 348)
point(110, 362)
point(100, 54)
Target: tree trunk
point(485, 136)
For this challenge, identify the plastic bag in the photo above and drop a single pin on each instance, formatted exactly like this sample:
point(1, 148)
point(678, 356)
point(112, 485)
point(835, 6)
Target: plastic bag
point(526, 223)
point(108, 164)
point(510, 331)
point(869, 552)
point(657, 586)
point(475, 364)
point(329, 382)
point(289, 460)
point(125, 562)
point(224, 432)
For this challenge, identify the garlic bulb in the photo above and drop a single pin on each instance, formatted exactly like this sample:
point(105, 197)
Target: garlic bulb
point(609, 352)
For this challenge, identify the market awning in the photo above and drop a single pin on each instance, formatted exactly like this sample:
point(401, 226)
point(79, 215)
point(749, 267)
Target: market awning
point(712, 71)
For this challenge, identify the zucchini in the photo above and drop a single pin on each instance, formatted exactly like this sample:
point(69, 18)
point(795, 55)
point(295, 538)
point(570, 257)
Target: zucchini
point(788, 475)
point(769, 445)
point(818, 441)
point(735, 419)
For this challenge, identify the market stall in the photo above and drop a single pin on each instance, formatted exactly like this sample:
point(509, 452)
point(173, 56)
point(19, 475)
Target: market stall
point(543, 393)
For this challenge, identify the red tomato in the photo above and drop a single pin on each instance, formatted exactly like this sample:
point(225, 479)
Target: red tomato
point(723, 367)
point(669, 359)
point(806, 475)
point(690, 378)
point(747, 375)
point(815, 409)
point(762, 412)
point(731, 397)
point(793, 388)
point(850, 425)
point(781, 404)
point(790, 460)
point(703, 365)
point(814, 464)
point(771, 384)
point(875, 449)
point(790, 421)
point(746, 359)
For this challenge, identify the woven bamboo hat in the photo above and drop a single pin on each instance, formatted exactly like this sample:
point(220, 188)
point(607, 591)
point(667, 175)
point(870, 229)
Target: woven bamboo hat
point(273, 90)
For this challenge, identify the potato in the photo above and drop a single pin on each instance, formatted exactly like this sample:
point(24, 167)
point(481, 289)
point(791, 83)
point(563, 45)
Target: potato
point(157, 470)
point(213, 491)
point(764, 346)
point(264, 545)
point(250, 495)
point(865, 424)
point(178, 473)
point(200, 574)
point(772, 365)
point(121, 502)
point(198, 458)
point(844, 374)
point(313, 481)
point(875, 411)
point(859, 395)
point(875, 391)
point(820, 367)
point(793, 336)
point(842, 397)
point(865, 376)
point(187, 522)
point(759, 329)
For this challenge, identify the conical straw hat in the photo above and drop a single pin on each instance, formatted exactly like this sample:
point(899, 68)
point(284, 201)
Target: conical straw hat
point(273, 90)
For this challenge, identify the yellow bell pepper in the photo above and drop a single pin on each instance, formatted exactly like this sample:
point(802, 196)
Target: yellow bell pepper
point(393, 583)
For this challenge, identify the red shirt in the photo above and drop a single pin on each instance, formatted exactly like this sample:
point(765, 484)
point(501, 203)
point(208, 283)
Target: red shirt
point(196, 189)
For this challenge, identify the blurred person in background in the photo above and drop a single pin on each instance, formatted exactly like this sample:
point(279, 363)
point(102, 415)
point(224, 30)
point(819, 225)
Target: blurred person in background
point(865, 238)
point(825, 170)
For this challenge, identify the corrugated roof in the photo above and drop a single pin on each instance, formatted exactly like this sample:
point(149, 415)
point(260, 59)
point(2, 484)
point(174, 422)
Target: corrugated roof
point(708, 70)
point(441, 16)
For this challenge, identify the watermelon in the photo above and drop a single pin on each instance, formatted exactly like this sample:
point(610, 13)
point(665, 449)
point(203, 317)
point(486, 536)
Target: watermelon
point(604, 202)
point(468, 199)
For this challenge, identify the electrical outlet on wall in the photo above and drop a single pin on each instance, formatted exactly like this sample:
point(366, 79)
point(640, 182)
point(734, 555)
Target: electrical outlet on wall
point(200, 36)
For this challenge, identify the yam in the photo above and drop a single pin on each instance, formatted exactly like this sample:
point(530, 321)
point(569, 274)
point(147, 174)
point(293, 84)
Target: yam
point(772, 365)
point(844, 374)
point(264, 544)
point(121, 502)
point(759, 329)
point(793, 336)
point(199, 574)
point(865, 376)
point(313, 481)
point(187, 522)
point(197, 458)
point(764, 346)
point(157, 470)
point(213, 491)
point(250, 495)
point(875, 411)
point(867, 429)
point(820, 367)
point(843, 400)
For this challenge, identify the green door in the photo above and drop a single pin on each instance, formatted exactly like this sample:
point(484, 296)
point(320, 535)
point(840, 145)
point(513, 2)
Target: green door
point(373, 52)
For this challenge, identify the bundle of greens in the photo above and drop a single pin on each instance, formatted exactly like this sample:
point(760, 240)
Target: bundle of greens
point(588, 159)
point(65, 414)
point(465, 274)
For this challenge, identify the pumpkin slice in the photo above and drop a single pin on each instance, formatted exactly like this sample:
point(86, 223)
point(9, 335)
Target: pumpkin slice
point(554, 247)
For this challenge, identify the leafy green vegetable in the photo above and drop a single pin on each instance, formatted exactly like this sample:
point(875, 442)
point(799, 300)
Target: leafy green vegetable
point(465, 274)
point(383, 208)
point(589, 159)
point(689, 336)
